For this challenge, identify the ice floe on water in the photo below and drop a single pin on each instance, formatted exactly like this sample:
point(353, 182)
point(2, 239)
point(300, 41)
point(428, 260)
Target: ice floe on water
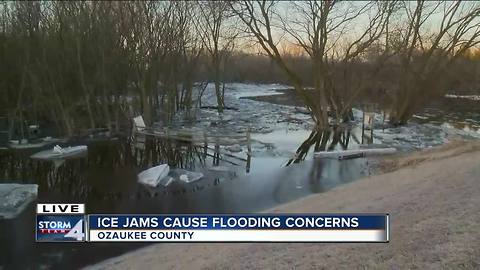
point(471, 97)
point(243, 114)
point(465, 132)
point(278, 130)
point(420, 117)
point(412, 136)
point(239, 90)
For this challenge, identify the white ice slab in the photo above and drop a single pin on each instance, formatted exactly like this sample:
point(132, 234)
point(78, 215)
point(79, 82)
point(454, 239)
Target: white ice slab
point(61, 153)
point(139, 123)
point(153, 176)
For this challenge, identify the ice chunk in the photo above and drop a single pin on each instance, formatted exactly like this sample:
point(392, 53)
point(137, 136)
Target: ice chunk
point(15, 198)
point(57, 149)
point(186, 176)
point(471, 97)
point(139, 123)
point(166, 181)
point(153, 176)
point(74, 149)
point(59, 152)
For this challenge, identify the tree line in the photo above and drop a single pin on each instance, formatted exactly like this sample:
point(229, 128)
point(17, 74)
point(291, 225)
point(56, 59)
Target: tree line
point(85, 65)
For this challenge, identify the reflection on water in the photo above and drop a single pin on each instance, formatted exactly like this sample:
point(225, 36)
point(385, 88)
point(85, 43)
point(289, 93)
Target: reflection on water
point(322, 140)
point(106, 181)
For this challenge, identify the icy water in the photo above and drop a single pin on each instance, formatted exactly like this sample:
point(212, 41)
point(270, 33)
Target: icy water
point(106, 181)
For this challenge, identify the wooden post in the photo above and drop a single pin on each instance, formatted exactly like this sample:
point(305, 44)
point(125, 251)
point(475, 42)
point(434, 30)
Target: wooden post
point(383, 120)
point(205, 146)
point(216, 155)
point(249, 150)
point(371, 128)
point(363, 124)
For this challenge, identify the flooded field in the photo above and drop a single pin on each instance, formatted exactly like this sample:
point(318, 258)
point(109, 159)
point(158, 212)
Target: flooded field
point(106, 178)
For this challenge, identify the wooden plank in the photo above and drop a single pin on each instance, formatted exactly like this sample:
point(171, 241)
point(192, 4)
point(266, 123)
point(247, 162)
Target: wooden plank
point(344, 153)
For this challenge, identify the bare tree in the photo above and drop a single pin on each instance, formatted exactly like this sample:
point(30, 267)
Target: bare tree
point(427, 40)
point(326, 31)
point(218, 36)
point(192, 49)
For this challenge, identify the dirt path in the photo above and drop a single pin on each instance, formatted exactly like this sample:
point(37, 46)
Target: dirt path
point(433, 199)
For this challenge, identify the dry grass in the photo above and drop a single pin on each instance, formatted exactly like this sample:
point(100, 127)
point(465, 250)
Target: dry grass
point(451, 149)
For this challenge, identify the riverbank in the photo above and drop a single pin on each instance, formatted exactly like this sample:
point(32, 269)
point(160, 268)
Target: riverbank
point(433, 197)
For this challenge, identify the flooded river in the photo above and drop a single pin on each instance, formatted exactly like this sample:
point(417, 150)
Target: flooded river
point(106, 178)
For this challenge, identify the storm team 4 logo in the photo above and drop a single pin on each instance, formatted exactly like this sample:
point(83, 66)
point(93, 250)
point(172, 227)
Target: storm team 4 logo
point(59, 227)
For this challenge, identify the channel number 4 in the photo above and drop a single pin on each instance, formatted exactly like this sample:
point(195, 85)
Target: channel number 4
point(76, 232)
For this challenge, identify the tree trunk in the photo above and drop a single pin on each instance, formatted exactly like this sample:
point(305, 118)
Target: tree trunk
point(84, 86)
point(218, 90)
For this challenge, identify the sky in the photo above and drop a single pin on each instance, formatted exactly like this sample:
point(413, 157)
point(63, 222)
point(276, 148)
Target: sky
point(288, 11)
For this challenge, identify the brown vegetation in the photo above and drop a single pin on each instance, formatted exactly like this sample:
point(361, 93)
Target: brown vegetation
point(92, 64)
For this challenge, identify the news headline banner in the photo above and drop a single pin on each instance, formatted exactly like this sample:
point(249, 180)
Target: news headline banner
point(239, 228)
